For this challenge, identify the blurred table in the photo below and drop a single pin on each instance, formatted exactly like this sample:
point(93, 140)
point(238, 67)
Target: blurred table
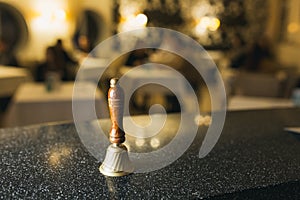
point(249, 102)
point(91, 68)
point(11, 78)
point(33, 104)
point(133, 77)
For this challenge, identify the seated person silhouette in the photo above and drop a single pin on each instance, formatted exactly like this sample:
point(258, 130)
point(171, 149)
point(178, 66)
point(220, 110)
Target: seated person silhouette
point(52, 64)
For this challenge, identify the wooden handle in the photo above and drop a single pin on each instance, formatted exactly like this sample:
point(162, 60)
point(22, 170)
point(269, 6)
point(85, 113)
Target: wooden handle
point(116, 107)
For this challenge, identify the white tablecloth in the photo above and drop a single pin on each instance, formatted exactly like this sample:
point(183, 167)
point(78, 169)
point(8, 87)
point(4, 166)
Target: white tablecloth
point(32, 104)
point(91, 68)
point(11, 78)
point(249, 102)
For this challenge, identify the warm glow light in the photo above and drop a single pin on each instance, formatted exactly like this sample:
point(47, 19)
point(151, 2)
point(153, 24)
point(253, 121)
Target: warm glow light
point(293, 27)
point(200, 30)
point(133, 22)
point(59, 14)
point(201, 27)
point(52, 16)
point(207, 24)
point(214, 24)
point(140, 142)
point(53, 22)
point(141, 19)
point(49, 17)
point(155, 143)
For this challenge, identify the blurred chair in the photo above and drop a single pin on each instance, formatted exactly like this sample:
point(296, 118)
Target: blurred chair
point(278, 84)
point(254, 84)
point(263, 90)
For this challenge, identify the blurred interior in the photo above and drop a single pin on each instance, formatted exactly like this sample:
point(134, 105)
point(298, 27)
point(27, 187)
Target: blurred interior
point(255, 45)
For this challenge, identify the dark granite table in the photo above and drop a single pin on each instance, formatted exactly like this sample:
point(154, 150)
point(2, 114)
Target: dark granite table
point(253, 159)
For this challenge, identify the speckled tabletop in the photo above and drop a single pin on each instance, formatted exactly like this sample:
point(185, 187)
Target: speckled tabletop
point(253, 159)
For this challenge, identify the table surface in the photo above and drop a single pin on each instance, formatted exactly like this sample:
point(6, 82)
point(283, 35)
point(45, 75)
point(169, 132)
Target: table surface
point(11, 78)
point(253, 159)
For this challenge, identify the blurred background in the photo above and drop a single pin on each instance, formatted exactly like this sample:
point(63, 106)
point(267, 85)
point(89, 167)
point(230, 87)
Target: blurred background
point(255, 44)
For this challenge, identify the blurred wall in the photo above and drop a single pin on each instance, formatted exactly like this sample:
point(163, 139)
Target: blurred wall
point(288, 50)
point(273, 25)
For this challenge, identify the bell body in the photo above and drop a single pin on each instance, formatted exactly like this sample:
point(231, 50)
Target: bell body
point(116, 161)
